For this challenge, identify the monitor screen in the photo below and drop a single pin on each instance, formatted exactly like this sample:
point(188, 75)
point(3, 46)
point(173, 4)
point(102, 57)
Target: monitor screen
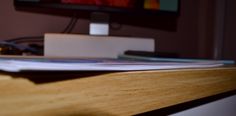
point(110, 3)
point(152, 12)
point(129, 6)
point(132, 5)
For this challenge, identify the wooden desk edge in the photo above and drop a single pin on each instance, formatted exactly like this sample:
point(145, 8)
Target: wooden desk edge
point(122, 93)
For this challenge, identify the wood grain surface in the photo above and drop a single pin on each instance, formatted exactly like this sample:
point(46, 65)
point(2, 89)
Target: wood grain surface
point(121, 93)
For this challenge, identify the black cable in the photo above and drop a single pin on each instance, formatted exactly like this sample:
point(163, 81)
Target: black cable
point(16, 40)
point(9, 47)
point(73, 23)
point(70, 26)
point(29, 40)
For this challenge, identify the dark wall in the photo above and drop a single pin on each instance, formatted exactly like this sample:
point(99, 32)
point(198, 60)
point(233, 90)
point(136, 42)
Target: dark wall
point(229, 51)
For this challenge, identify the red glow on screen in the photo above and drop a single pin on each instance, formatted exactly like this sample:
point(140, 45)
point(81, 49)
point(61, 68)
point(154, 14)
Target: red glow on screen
point(115, 3)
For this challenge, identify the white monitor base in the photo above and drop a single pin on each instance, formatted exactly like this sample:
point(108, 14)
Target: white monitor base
point(75, 45)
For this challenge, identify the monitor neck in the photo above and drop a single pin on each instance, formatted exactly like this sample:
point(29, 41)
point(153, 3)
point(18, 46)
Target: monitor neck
point(99, 24)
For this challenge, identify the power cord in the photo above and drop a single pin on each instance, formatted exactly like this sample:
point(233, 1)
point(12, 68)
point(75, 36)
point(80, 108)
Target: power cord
point(71, 25)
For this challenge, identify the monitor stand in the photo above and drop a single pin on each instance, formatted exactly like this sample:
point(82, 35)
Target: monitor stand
point(96, 45)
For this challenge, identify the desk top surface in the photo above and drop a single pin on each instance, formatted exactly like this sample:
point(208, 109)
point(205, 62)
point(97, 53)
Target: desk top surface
point(118, 93)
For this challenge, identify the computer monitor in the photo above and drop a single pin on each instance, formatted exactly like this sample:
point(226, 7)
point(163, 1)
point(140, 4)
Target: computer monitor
point(151, 13)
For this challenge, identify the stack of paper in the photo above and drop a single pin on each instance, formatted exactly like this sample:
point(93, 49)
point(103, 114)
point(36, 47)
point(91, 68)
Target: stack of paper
point(45, 64)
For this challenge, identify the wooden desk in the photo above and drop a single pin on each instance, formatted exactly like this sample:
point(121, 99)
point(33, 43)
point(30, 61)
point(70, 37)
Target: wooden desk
point(123, 93)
